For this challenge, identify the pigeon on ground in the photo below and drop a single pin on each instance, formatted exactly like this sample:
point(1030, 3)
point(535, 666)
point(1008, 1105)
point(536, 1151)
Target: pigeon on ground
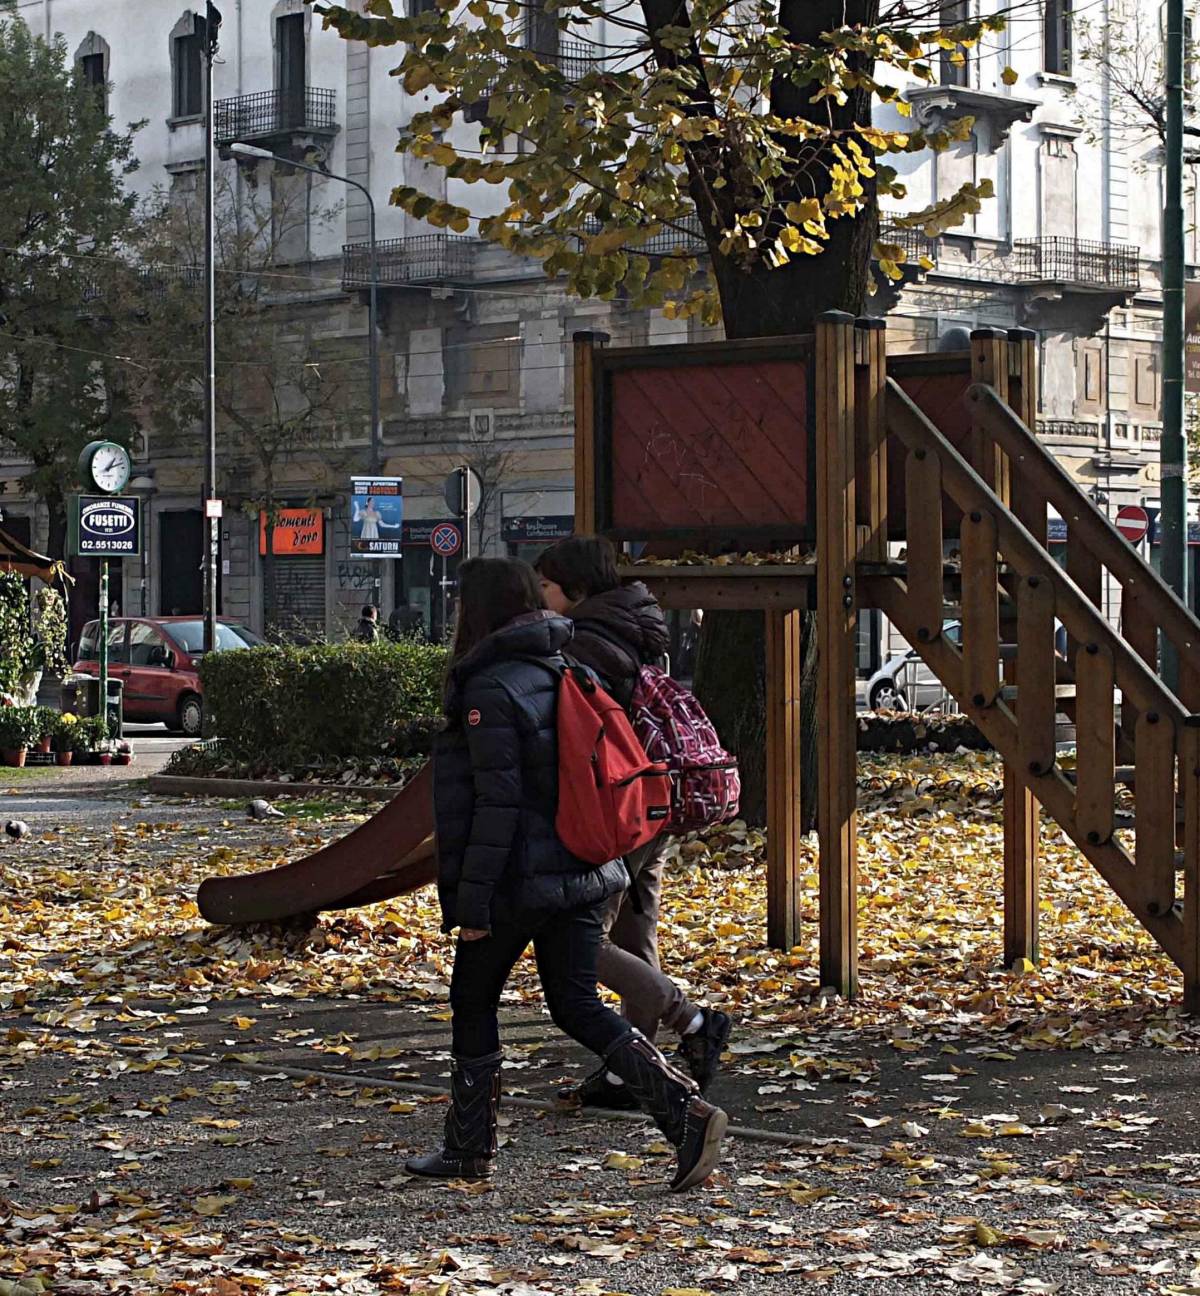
point(16, 829)
point(260, 809)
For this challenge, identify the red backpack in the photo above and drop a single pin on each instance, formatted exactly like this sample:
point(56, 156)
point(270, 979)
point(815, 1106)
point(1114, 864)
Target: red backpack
point(611, 797)
point(674, 730)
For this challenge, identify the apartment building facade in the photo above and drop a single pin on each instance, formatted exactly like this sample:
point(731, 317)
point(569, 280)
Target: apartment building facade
point(476, 346)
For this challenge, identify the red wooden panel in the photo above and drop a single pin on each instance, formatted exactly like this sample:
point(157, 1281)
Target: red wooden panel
point(702, 446)
point(939, 396)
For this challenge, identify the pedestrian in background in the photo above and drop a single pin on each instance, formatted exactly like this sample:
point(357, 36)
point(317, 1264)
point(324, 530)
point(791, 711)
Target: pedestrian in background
point(619, 628)
point(367, 630)
point(505, 880)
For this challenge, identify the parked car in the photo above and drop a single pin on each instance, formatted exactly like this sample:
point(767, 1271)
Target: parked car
point(905, 683)
point(157, 657)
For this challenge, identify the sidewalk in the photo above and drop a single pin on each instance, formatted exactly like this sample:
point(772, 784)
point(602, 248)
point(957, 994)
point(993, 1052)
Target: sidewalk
point(200, 1112)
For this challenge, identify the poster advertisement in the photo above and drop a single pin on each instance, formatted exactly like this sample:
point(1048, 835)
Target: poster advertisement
point(376, 516)
point(1191, 336)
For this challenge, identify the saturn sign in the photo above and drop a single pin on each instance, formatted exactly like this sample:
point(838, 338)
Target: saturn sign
point(108, 526)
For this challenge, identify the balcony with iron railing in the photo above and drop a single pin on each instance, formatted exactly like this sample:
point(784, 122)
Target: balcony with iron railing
point(917, 245)
point(421, 259)
point(1078, 263)
point(275, 115)
point(574, 59)
point(682, 236)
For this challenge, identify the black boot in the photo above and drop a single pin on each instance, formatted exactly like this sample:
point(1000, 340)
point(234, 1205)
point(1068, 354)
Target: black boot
point(470, 1139)
point(673, 1102)
point(701, 1051)
point(599, 1091)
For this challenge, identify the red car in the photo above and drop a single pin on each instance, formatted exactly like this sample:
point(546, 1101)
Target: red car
point(157, 657)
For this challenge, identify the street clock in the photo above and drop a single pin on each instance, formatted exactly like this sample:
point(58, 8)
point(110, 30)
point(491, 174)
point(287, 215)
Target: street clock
point(105, 466)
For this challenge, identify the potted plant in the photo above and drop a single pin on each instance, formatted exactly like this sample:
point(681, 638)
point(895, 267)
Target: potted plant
point(123, 754)
point(89, 733)
point(64, 737)
point(16, 728)
point(105, 751)
point(46, 723)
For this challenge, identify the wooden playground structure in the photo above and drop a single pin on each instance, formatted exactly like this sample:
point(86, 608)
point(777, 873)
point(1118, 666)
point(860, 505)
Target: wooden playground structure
point(827, 449)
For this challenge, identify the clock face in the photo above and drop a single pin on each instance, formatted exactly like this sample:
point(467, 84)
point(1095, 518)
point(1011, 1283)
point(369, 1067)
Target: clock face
point(110, 467)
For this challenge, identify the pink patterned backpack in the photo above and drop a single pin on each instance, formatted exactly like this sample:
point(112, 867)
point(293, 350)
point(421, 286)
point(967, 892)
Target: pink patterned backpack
point(673, 729)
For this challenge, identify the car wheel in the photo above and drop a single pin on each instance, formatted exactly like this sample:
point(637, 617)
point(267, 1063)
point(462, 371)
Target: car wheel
point(886, 697)
point(191, 716)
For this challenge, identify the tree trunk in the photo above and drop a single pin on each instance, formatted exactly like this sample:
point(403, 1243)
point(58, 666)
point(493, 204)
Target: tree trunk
point(56, 540)
point(761, 302)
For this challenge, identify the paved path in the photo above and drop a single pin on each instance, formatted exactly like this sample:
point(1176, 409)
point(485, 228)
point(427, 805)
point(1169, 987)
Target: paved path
point(864, 1168)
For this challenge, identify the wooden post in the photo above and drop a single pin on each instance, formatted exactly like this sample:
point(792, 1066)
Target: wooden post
point(784, 860)
point(585, 430)
point(836, 601)
point(1010, 367)
point(1026, 502)
point(989, 364)
point(870, 437)
point(1189, 790)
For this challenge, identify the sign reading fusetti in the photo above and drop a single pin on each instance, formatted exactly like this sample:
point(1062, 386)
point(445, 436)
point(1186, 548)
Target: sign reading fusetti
point(105, 526)
point(296, 531)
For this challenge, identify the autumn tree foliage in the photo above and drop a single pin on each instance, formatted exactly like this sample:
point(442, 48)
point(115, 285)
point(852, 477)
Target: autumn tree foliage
point(755, 118)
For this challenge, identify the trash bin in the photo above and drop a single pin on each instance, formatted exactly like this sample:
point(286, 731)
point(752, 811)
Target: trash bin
point(81, 697)
point(116, 708)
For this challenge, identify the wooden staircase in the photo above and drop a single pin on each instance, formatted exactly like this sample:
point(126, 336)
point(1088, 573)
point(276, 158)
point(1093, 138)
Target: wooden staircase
point(1110, 682)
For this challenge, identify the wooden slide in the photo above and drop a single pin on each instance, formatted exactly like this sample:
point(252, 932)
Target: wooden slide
point(389, 855)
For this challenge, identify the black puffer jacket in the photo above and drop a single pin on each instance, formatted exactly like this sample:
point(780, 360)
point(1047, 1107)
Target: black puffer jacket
point(617, 633)
point(495, 786)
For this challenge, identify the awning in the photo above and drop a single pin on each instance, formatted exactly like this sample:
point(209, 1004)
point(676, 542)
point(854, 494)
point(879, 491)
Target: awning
point(15, 557)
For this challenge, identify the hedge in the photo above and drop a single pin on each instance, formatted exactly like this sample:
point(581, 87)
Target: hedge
point(291, 706)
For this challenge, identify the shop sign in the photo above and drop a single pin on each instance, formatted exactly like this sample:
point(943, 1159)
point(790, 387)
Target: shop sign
point(296, 531)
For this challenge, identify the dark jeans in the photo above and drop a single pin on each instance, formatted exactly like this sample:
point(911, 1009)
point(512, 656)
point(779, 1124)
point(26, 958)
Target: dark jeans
point(566, 945)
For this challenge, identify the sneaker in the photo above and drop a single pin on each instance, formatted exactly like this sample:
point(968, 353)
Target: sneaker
point(599, 1091)
point(699, 1150)
point(701, 1051)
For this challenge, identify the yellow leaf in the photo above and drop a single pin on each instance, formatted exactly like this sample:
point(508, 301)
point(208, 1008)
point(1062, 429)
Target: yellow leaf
point(620, 1161)
point(209, 1206)
point(986, 1236)
point(1009, 76)
point(808, 209)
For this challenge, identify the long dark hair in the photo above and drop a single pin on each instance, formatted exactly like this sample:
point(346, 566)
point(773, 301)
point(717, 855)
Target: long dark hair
point(491, 592)
point(583, 566)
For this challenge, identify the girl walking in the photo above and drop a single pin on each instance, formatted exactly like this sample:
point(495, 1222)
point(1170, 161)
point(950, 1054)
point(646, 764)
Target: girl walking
point(505, 880)
point(618, 630)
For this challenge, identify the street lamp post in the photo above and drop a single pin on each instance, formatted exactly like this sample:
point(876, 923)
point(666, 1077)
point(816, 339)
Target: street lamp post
point(265, 155)
point(212, 24)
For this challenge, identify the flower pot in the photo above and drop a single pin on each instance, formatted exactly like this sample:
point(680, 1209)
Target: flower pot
point(44, 745)
point(105, 758)
point(14, 756)
point(124, 758)
point(63, 758)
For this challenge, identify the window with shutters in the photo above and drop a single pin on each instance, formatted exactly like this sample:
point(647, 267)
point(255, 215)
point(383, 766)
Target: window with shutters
point(1056, 37)
point(954, 69)
point(91, 63)
point(291, 64)
point(187, 68)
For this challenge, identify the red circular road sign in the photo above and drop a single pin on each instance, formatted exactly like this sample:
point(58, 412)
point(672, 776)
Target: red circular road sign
point(1133, 522)
point(445, 539)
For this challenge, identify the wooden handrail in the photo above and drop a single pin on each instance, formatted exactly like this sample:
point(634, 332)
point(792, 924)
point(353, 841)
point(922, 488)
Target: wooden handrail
point(1080, 616)
point(1050, 479)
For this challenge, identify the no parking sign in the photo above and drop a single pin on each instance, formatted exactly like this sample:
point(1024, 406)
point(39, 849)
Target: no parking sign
point(445, 539)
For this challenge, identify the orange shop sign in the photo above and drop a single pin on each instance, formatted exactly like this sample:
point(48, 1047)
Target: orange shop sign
point(297, 531)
